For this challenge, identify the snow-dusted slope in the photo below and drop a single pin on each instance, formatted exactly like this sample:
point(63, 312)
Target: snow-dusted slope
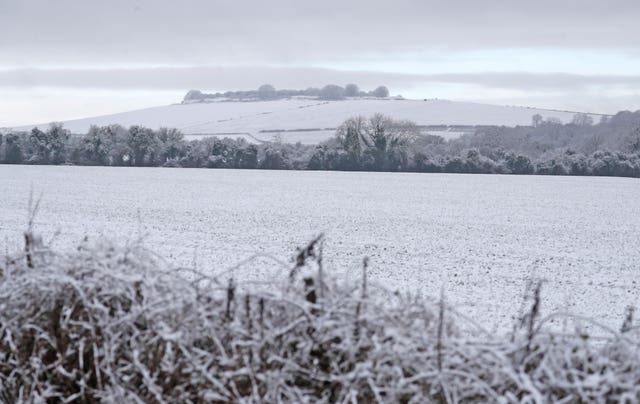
point(261, 118)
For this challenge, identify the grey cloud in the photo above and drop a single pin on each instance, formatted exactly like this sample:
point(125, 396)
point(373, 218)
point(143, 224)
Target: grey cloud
point(38, 32)
point(537, 81)
point(205, 78)
point(234, 78)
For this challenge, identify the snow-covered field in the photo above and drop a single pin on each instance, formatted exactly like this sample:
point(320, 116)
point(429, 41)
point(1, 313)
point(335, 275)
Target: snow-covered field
point(253, 118)
point(480, 237)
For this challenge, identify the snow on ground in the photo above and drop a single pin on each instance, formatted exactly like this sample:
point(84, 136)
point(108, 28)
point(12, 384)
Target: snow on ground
point(290, 115)
point(479, 236)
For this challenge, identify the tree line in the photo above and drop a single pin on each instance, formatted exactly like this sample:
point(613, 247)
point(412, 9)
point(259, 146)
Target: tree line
point(377, 143)
point(269, 92)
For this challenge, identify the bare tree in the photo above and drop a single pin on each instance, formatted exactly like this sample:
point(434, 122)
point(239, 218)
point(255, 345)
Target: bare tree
point(536, 120)
point(594, 143)
point(633, 143)
point(581, 119)
point(379, 138)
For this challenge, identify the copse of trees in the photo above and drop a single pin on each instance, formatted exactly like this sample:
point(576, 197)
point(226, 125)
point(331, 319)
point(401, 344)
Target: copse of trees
point(48, 147)
point(351, 90)
point(269, 92)
point(381, 92)
point(332, 92)
point(376, 143)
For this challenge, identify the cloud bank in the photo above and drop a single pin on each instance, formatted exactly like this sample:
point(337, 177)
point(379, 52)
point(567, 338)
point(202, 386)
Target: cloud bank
point(290, 31)
point(220, 78)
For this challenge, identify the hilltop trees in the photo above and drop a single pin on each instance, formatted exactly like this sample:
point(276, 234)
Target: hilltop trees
point(194, 95)
point(381, 92)
point(266, 92)
point(269, 92)
point(351, 90)
point(332, 92)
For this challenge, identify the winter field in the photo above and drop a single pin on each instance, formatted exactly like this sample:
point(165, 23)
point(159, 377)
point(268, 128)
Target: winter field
point(479, 237)
point(308, 120)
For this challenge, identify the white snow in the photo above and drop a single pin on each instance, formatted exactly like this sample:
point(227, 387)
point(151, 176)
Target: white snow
point(254, 118)
point(479, 236)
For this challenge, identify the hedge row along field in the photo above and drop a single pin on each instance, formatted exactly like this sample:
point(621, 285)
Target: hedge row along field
point(377, 143)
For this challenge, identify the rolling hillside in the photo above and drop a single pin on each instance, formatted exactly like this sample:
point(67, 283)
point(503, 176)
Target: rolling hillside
point(310, 120)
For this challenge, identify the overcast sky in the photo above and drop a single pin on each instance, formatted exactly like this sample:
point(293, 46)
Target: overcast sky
point(73, 58)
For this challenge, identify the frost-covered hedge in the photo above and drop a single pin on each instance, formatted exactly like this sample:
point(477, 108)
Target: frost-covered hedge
point(117, 324)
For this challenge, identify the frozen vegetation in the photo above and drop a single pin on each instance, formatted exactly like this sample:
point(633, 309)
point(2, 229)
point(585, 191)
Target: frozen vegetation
point(117, 324)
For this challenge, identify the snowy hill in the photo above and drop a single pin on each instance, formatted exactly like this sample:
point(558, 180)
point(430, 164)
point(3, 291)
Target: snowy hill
point(310, 120)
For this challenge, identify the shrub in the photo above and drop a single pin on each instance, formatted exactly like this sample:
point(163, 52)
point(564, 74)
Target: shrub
point(519, 164)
